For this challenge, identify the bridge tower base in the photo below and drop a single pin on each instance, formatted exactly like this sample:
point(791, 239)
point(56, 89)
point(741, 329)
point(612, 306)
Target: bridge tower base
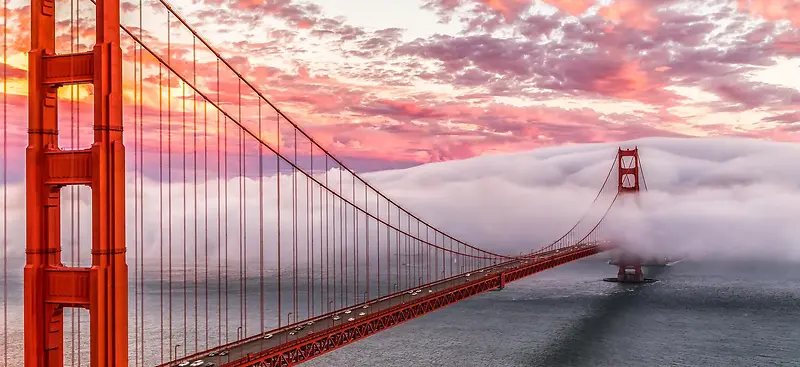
point(630, 270)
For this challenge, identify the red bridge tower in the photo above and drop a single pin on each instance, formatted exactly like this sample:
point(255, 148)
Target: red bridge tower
point(628, 171)
point(49, 285)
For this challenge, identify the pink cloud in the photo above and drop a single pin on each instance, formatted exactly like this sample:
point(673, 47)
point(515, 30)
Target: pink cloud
point(788, 43)
point(773, 9)
point(785, 118)
point(300, 15)
point(509, 9)
point(738, 94)
point(636, 14)
point(603, 71)
point(432, 126)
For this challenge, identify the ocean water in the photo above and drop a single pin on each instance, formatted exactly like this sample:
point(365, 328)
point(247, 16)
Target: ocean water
point(697, 314)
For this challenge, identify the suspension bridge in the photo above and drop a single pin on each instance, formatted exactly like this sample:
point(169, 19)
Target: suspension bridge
point(187, 218)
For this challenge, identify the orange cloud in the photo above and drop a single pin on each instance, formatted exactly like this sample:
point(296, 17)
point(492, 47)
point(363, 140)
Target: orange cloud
point(629, 81)
point(574, 7)
point(249, 4)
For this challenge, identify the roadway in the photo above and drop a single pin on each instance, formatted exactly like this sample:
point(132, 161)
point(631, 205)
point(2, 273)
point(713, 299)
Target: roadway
point(254, 345)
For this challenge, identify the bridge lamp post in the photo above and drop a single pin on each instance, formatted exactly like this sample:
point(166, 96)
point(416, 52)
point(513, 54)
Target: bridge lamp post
point(238, 333)
point(366, 295)
point(419, 282)
point(176, 350)
point(288, 315)
point(330, 319)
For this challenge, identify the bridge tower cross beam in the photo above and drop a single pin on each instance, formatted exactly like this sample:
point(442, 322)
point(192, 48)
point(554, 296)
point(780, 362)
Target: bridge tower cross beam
point(49, 286)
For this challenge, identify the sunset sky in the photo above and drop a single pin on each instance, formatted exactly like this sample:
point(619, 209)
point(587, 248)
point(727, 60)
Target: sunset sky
point(392, 83)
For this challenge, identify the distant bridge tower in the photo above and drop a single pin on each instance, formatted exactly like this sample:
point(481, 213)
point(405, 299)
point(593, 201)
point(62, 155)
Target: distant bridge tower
point(49, 285)
point(630, 266)
point(628, 170)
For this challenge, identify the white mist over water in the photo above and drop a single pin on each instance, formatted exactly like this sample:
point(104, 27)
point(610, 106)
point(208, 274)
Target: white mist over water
point(732, 199)
point(707, 198)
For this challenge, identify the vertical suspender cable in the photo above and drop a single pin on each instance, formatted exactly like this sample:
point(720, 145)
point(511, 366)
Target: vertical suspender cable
point(141, 182)
point(161, 205)
point(260, 222)
point(205, 218)
point(242, 225)
point(219, 214)
point(136, 203)
point(295, 306)
point(185, 217)
point(195, 189)
point(311, 225)
point(278, 178)
point(309, 254)
point(327, 243)
point(225, 234)
point(73, 132)
point(378, 239)
point(5, 190)
point(357, 253)
point(169, 180)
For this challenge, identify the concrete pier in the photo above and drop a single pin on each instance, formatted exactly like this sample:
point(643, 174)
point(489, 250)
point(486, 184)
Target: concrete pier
point(630, 270)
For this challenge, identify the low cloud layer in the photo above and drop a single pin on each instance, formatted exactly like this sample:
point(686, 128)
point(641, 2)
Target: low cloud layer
point(706, 198)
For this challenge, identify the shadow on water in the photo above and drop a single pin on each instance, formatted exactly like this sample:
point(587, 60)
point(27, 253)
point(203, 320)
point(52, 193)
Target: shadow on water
point(574, 345)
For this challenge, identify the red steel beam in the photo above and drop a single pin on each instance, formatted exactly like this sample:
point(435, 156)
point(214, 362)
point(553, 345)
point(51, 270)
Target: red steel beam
point(69, 69)
point(73, 288)
point(68, 167)
point(319, 343)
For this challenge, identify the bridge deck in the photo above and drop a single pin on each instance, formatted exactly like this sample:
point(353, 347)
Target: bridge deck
point(251, 350)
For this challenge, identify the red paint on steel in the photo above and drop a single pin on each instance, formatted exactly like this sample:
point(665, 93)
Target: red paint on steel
point(49, 285)
point(336, 337)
